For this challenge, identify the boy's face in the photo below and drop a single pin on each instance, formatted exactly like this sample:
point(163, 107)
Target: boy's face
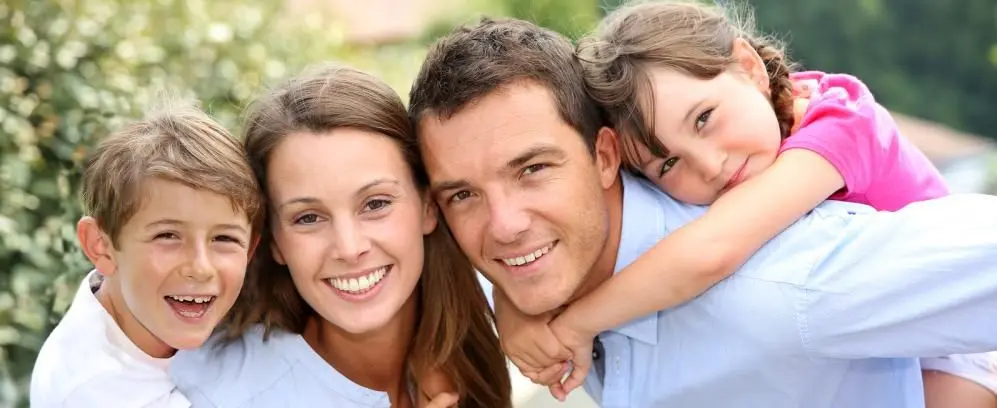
point(179, 265)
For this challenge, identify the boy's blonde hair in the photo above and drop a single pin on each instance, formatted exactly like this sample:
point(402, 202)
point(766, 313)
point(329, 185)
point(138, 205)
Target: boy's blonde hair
point(689, 37)
point(178, 142)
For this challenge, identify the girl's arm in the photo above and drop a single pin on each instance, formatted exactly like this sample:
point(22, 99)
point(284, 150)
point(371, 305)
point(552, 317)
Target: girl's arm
point(709, 249)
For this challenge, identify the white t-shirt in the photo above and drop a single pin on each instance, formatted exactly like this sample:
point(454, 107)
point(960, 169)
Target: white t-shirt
point(87, 361)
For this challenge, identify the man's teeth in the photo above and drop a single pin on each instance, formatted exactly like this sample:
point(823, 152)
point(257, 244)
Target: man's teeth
point(195, 299)
point(360, 284)
point(528, 258)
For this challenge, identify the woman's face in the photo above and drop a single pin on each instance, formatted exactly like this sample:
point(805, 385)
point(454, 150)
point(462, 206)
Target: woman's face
point(348, 221)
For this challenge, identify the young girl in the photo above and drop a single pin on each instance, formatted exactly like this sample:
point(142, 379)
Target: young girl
point(706, 111)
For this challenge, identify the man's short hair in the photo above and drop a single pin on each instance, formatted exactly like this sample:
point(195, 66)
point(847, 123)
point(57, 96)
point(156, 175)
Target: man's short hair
point(178, 142)
point(473, 61)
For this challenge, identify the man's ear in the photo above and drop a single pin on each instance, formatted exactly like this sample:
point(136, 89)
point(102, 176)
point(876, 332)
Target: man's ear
point(430, 217)
point(96, 245)
point(607, 156)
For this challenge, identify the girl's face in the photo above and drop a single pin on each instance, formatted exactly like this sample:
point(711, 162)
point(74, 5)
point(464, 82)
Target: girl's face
point(717, 133)
point(348, 222)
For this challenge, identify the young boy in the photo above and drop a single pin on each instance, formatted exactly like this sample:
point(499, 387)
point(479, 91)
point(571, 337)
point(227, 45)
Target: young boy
point(171, 203)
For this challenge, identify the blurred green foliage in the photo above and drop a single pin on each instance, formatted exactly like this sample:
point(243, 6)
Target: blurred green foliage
point(73, 70)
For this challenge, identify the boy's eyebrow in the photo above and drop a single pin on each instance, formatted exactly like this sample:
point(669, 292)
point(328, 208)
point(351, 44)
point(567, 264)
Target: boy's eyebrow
point(171, 222)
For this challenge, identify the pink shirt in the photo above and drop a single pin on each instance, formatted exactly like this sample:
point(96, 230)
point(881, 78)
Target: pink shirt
point(844, 124)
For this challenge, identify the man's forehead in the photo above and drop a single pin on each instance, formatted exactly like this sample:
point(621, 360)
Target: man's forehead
point(492, 131)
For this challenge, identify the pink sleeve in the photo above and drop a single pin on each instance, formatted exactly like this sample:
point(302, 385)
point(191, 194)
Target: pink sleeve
point(846, 132)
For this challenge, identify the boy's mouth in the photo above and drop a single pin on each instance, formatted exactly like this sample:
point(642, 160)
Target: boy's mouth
point(191, 307)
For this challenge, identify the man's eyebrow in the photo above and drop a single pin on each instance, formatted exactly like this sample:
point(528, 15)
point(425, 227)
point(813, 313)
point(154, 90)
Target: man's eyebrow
point(447, 185)
point(532, 153)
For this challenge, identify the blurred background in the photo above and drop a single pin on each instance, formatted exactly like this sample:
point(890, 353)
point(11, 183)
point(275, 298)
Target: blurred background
point(72, 70)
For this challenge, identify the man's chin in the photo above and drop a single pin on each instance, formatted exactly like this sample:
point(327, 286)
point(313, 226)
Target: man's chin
point(534, 305)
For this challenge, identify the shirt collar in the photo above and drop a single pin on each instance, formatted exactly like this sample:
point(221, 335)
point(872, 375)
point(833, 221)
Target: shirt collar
point(643, 226)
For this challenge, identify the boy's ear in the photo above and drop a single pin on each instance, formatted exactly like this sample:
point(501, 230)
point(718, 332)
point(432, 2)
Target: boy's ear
point(96, 245)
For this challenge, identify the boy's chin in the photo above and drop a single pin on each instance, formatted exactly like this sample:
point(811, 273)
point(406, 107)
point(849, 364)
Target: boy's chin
point(187, 341)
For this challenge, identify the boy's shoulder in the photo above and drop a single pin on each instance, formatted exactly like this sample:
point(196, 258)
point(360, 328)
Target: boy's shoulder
point(79, 366)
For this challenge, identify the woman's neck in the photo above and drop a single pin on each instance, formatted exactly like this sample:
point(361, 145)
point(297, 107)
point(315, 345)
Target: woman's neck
point(374, 360)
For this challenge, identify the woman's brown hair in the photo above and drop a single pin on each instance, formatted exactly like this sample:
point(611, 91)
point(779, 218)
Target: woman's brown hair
point(688, 37)
point(454, 333)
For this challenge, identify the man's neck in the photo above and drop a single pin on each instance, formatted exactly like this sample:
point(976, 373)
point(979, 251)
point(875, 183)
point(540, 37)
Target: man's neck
point(605, 264)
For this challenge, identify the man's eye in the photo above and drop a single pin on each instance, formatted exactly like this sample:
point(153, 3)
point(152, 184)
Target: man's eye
point(533, 168)
point(460, 196)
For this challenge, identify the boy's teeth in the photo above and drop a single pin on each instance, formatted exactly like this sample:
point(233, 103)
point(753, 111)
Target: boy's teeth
point(528, 258)
point(360, 284)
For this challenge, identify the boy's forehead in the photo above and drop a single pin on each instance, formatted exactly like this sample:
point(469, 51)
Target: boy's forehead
point(159, 199)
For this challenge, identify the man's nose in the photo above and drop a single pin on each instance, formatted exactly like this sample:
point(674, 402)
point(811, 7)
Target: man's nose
point(509, 220)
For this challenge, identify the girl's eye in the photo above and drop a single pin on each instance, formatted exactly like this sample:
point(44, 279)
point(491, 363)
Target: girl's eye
point(306, 219)
point(667, 165)
point(703, 118)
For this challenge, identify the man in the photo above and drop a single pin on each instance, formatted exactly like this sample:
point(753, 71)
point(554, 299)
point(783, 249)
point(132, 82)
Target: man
point(828, 314)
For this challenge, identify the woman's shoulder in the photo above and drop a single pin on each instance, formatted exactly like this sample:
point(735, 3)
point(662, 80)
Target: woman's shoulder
point(228, 371)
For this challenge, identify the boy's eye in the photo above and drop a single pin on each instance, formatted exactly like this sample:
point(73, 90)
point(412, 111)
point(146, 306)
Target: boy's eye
point(667, 165)
point(166, 235)
point(227, 238)
point(703, 118)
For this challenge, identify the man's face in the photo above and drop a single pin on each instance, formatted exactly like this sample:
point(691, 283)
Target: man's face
point(523, 195)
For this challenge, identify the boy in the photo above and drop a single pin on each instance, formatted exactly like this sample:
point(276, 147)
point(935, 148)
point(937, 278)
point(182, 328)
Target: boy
point(171, 204)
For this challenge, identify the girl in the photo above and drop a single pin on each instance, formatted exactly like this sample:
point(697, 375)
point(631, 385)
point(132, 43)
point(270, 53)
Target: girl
point(706, 111)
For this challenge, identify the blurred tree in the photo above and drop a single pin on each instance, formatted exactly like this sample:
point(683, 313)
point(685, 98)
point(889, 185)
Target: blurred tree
point(71, 71)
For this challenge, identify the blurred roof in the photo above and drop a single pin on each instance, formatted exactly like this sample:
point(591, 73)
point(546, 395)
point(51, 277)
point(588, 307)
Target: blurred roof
point(939, 142)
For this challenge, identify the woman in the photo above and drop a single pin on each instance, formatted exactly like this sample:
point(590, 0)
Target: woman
point(357, 297)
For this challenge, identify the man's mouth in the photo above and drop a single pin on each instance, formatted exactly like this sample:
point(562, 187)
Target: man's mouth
point(529, 257)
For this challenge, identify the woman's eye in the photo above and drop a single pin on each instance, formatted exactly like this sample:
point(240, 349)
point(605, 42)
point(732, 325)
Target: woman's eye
point(667, 165)
point(306, 219)
point(374, 205)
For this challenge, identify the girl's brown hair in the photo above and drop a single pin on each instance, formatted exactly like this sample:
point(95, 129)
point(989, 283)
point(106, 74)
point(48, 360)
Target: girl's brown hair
point(691, 38)
point(454, 333)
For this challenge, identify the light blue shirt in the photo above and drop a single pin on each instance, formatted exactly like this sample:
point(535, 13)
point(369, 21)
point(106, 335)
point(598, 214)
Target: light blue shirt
point(830, 314)
point(284, 371)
